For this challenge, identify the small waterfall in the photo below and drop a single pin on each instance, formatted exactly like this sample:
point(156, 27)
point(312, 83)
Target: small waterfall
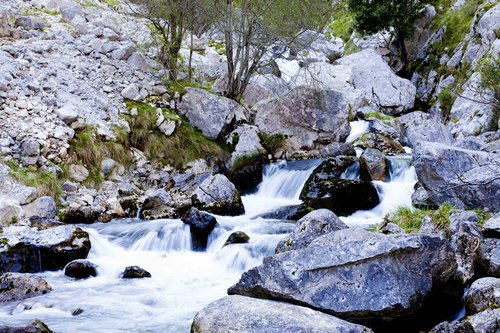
point(352, 172)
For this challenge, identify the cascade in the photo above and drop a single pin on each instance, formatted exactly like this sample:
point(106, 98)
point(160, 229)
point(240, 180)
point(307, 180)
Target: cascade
point(183, 281)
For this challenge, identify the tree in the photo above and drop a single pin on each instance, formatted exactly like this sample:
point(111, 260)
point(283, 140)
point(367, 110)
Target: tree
point(170, 20)
point(372, 16)
point(250, 27)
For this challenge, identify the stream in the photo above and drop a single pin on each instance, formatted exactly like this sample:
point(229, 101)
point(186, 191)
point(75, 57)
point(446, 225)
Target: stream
point(184, 281)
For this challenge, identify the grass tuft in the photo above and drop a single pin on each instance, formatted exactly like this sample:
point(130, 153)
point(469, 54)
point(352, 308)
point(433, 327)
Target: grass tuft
point(45, 182)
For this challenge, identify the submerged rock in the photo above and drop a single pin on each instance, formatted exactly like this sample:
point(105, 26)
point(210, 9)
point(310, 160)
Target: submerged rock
point(31, 251)
point(17, 286)
point(201, 225)
point(135, 272)
point(219, 196)
point(238, 237)
point(292, 212)
point(36, 326)
point(80, 269)
point(250, 315)
point(310, 227)
point(362, 276)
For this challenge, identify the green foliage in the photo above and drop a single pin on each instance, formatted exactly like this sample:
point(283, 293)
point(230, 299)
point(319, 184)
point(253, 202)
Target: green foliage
point(45, 182)
point(272, 143)
point(489, 69)
point(410, 219)
point(114, 4)
point(184, 145)
point(379, 116)
point(343, 23)
point(457, 22)
point(482, 216)
point(245, 160)
point(446, 98)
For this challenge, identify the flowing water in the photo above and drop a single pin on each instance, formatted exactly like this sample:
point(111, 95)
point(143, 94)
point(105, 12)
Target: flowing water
point(183, 281)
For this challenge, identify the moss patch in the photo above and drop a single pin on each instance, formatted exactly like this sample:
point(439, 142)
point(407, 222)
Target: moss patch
point(46, 183)
point(343, 21)
point(411, 219)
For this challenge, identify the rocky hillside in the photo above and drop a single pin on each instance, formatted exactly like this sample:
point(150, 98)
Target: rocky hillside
point(91, 130)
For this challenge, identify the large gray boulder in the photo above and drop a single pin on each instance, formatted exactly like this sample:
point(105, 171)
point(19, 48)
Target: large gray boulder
point(360, 276)
point(310, 227)
point(426, 130)
point(27, 250)
point(464, 178)
point(18, 286)
point(35, 326)
point(489, 257)
point(210, 113)
point(10, 211)
point(157, 205)
point(491, 228)
point(373, 165)
point(307, 115)
point(43, 207)
point(483, 294)
point(218, 195)
point(381, 86)
point(69, 10)
point(243, 314)
point(487, 321)
point(248, 142)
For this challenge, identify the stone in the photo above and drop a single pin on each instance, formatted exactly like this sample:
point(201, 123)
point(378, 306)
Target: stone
point(483, 294)
point(69, 10)
point(78, 172)
point(29, 251)
point(35, 326)
point(30, 152)
point(491, 228)
point(29, 23)
point(158, 205)
point(337, 149)
point(488, 260)
point(381, 142)
point(5, 28)
point(486, 321)
point(391, 229)
point(168, 127)
point(247, 142)
point(420, 199)
point(132, 92)
point(306, 116)
point(427, 130)
point(313, 225)
point(201, 225)
point(110, 35)
point(136, 61)
point(107, 166)
point(362, 277)
point(291, 212)
point(373, 165)
point(135, 272)
point(237, 237)
point(372, 75)
point(210, 113)
point(18, 286)
point(219, 196)
point(233, 314)
point(80, 269)
point(69, 113)
point(10, 211)
point(80, 214)
point(464, 178)
point(43, 207)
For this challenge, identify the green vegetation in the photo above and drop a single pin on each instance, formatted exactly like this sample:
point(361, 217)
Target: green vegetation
point(114, 4)
point(379, 116)
point(184, 145)
point(411, 219)
point(489, 68)
point(343, 21)
point(245, 160)
point(44, 181)
point(272, 143)
point(457, 22)
point(446, 98)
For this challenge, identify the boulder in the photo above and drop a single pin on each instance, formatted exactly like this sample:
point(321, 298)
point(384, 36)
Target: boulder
point(247, 142)
point(158, 205)
point(79, 214)
point(10, 211)
point(28, 250)
point(133, 93)
point(263, 87)
point(80, 269)
point(246, 172)
point(69, 113)
point(71, 9)
point(135, 272)
point(18, 286)
point(337, 148)
point(306, 116)
point(43, 207)
point(210, 113)
point(483, 294)
point(372, 75)
point(420, 199)
point(427, 130)
point(237, 237)
point(29, 23)
point(218, 195)
point(313, 225)
point(136, 61)
point(464, 178)
point(36, 326)
point(491, 228)
point(233, 314)
point(373, 165)
point(488, 261)
point(381, 142)
point(483, 322)
point(390, 228)
point(342, 196)
point(201, 225)
point(292, 212)
point(362, 277)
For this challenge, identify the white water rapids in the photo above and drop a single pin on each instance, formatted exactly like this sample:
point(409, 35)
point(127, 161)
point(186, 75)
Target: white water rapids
point(183, 281)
